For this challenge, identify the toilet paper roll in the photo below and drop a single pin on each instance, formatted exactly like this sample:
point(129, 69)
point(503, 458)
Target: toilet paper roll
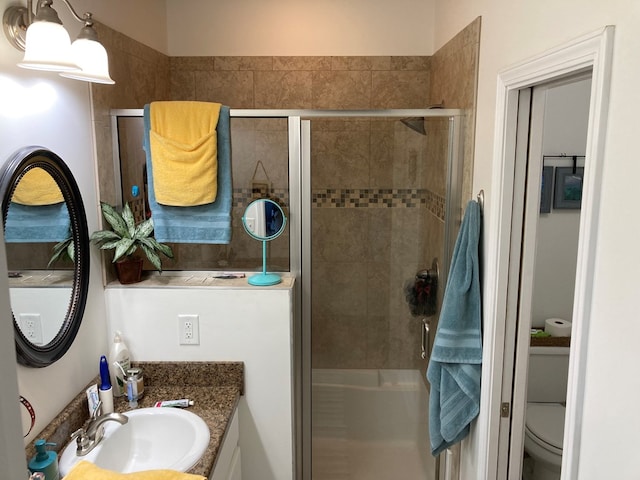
point(557, 327)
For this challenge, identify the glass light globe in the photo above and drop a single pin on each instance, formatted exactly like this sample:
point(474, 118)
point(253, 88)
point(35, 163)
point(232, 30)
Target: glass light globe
point(91, 57)
point(48, 47)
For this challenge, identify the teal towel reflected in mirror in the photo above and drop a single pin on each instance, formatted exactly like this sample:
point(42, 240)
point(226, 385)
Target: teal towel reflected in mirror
point(37, 223)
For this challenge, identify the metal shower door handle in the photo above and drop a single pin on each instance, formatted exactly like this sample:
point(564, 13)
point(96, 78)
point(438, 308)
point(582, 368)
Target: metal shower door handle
point(425, 339)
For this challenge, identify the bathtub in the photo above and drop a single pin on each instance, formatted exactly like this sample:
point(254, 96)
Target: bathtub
point(370, 424)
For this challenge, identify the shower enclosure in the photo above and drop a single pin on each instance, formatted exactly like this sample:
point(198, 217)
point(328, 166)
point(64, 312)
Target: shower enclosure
point(383, 201)
point(373, 197)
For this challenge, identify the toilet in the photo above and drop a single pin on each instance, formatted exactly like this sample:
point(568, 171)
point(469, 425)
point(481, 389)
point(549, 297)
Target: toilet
point(544, 420)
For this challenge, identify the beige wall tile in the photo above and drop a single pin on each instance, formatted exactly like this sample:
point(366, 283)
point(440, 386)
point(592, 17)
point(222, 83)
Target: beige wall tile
point(409, 63)
point(399, 89)
point(243, 63)
point(343, 90)
point(340, 159)
point(283, 89)
point(189, 64)
point(301, 63)
point(232, 88)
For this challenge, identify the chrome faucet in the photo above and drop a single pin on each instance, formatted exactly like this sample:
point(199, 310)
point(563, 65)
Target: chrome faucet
point(92, 431)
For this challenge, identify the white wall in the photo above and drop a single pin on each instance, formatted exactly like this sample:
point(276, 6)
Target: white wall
point(11, 431)
point(515, 31)
point(248, 324)
point(58, 119)
point(565, 132)
point(142, 20)
point(295, 27)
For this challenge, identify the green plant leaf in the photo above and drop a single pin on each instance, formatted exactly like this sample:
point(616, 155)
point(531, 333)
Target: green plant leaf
point(153, 257)
point(114, 219)
point(165, 249)
point(156, 246)
point(122, 247)
point(58, 253)
point(61, 250)
point(144, 229)
point(71, 251)
point(132, 249)
point(104, 235)
point(127, 216)
point(110, 245)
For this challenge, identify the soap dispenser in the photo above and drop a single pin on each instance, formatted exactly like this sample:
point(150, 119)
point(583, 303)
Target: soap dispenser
point(45, 461)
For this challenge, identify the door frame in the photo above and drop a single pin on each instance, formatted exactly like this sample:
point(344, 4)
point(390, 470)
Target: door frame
point(593, 52)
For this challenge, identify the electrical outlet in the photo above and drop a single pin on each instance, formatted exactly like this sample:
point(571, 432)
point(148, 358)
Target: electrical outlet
point(188, 328)
point(31, 325)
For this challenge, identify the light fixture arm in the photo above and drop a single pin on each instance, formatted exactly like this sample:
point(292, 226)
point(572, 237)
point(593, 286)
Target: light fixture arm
point(74, 13)
point(17, 19)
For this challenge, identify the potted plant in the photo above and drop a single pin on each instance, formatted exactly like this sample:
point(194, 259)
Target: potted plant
point(125, 239)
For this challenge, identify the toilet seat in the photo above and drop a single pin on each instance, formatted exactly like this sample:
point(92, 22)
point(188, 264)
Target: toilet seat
point(545, 425)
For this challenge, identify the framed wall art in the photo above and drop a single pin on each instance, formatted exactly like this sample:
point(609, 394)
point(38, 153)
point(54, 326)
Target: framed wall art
point(546, 189)
point(568, 187)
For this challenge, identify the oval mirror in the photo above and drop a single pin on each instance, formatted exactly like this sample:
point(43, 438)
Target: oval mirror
point(47, 244)
point(264, 220)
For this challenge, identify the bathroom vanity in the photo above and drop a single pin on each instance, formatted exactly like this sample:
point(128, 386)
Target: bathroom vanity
point(215, 388)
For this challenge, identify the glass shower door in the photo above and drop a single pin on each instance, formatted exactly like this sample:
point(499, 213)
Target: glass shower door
point(378, 194)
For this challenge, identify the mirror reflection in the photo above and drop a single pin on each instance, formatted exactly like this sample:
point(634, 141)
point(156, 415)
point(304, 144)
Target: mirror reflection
point(264, 220)
point(46, 242)
point(37, 220)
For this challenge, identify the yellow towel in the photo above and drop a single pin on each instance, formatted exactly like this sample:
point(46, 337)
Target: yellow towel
point(84, 470)
point(36, 188)
point(184, 149)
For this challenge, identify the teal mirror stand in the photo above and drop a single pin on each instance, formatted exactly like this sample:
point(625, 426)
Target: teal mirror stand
point(264, 279)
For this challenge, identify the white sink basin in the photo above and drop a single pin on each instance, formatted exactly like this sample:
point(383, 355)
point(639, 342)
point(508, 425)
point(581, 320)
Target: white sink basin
point(153, 438)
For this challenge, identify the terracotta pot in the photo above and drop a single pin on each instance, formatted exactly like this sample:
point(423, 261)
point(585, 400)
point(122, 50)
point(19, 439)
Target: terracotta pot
point(129, 270)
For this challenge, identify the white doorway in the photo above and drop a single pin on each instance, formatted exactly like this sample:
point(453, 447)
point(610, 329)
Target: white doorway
point(551, 141)
point(505, 381)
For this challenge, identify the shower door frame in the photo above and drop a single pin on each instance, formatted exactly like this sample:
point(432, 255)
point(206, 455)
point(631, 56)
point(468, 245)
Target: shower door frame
point(300, 248)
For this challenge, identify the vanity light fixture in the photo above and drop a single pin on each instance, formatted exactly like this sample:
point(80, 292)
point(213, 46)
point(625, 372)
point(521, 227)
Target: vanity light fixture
point(47, 46)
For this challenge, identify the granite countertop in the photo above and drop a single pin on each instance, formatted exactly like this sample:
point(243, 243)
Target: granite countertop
point(215, 388)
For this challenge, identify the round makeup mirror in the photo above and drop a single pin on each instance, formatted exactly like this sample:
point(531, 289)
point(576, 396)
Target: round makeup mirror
point(47, 244)
point(264, 220)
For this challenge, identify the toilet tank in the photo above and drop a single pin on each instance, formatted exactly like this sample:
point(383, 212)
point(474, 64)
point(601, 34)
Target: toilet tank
point(548, 374)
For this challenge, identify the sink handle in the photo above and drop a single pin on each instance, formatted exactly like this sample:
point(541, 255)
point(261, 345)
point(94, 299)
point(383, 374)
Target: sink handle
point(81, 438)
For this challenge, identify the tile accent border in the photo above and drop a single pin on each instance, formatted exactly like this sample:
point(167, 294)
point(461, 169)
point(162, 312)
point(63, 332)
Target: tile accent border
point(379, 198)
point(352, 198)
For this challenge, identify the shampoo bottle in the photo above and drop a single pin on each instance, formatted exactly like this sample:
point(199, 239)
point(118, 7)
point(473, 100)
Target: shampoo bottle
point(119, 363)
point(45, 461)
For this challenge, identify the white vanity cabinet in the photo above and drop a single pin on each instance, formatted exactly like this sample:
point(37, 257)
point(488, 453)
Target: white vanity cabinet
point(227, 465)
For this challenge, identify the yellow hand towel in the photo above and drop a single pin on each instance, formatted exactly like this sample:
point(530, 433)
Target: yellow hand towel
point(88, 471)
point(184, 151)
point(37, 188)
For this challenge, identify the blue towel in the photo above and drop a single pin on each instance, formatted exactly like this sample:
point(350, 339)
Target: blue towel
point(209, 223)
point(455, 363)
point(37, 223)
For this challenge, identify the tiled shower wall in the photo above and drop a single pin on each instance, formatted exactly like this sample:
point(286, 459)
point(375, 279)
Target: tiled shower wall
point(368, 324)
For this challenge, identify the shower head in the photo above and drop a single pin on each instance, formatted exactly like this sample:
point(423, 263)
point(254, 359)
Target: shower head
point(416, 124)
